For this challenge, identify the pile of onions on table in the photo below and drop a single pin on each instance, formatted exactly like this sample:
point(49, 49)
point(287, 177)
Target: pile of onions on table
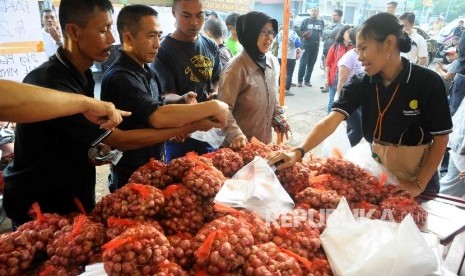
point(178, 167)
point(116, 226)
point(268, 259)
point(204, 180)
point(182, 249)
point(400, 206)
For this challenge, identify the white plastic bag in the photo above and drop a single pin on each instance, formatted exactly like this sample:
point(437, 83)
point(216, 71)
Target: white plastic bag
point(375, 247)
point(337, 140)
point(361, 155)
point(213, 136)
point(256, 188)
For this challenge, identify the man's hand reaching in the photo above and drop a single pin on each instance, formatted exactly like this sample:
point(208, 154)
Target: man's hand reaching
point(104, 114)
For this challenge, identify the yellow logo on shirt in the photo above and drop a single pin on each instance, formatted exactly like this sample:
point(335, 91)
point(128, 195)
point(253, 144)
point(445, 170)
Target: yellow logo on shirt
point(413, 104)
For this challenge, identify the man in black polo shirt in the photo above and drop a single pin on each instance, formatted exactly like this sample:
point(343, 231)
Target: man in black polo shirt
point(311, 30)
point(131, 85)
point(188, 65)
point(51, 166)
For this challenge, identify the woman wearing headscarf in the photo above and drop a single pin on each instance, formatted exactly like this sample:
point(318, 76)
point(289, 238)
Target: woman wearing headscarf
point(248, 84)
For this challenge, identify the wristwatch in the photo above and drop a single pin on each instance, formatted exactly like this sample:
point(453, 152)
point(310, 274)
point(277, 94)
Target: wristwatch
point(59, 43)
point(301, 150)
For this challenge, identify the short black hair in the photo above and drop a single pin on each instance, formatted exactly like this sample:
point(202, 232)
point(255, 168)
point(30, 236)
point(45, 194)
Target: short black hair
point(129, 18)
point(380, 25)
point(214, 27)
point(177, 1)
point(80, 12)
point(231, 19)
point(339, 12)
point(409, 16)
point(392, 3)
point(47, 10)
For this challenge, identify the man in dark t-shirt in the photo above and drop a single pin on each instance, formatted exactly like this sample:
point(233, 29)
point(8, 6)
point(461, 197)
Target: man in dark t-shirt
point(311, 30)
point(130, 84)
point(51, 165)
point(189, 68)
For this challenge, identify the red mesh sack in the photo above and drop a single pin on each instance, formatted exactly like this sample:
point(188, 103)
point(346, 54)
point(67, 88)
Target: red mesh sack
point(179, 200)
point(227, 161)
point(116, 226)
point(178, 167)
point(153, 173)
point(76, 244)
point(182, 249)
point(137, 251)
point(133, 200)
point(397, 207)
point(17, 252)
point(268, 259)
point(293, 231)
point(43, 227)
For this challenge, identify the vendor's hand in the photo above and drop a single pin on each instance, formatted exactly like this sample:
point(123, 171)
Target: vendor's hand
point(190, 97)
point(288, 159)
point(238, 142)
point(407, 188)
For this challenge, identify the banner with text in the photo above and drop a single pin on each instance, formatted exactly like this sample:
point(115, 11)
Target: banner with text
point(21, 45)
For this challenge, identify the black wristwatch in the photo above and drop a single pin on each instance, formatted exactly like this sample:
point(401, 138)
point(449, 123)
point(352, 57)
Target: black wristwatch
point(301, 150)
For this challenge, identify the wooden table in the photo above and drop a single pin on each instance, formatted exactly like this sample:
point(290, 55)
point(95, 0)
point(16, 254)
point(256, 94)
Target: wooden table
point(455, 258)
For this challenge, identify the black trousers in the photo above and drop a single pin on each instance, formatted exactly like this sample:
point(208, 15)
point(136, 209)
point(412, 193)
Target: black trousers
point(307, 61)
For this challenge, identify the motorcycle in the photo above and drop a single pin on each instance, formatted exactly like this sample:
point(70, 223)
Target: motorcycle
point(443, 43)
point(7, 137)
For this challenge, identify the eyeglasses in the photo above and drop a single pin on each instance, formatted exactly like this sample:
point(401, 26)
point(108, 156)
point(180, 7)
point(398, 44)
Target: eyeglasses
point(268, 33)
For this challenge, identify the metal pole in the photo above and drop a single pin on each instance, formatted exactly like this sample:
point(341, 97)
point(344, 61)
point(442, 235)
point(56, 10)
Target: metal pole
point(447, 12)
point(282, 81)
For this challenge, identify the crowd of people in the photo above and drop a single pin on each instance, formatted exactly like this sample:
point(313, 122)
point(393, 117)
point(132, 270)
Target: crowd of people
point(199, 77)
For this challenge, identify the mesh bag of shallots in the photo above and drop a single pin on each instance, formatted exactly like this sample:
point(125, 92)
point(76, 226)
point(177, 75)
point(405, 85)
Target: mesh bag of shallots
point(43, 228)
point(133, 200)
point(268, 259)
point(137, 251)
point(116, 226)
point(397, 207)
point(77, 243)
point(226, 160)
point(153, 173)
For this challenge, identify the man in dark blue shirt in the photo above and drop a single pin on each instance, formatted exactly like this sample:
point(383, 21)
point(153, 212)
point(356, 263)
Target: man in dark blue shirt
point(311, 31)
point(51, 165)
point(189, 67)
point(130, 84)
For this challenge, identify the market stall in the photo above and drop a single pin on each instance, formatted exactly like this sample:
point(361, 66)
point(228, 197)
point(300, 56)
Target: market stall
point(167, 221)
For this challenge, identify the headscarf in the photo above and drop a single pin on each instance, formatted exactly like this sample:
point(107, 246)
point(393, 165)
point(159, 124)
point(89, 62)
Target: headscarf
point(248, 27)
